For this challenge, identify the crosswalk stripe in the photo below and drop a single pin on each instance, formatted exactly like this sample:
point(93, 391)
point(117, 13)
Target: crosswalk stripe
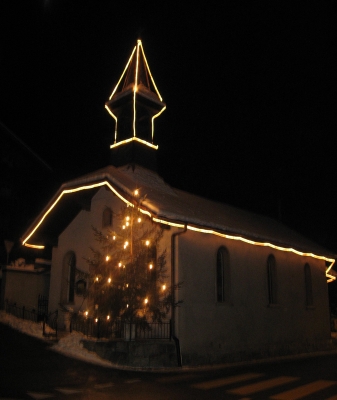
point(102, 385)
point(40, 396)
point(226, 381)
point(132, 380)
point(263, 385)
point(303, 390)
point(176, 378)
point(68, 391)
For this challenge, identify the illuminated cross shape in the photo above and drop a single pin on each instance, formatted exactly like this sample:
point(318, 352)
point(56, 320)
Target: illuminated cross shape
point(135, 102)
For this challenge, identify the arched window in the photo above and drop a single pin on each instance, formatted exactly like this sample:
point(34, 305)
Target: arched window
point(272, 281)
point(308, 286)
point(223, 278)
point(107, 217)
point(68, 278)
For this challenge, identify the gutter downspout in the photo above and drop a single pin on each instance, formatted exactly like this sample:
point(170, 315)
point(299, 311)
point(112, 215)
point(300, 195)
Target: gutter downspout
point(173, 314)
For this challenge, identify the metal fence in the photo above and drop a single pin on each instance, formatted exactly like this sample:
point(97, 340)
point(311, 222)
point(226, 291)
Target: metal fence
point(95, 327)
point(119, 329)
point(21, 312)
point(49, 326)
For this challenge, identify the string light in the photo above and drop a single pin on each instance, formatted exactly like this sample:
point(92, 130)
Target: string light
point(109, 280)
point(151, 266)
point(136, 192)
point(107, 258)
point(146, 300)
point(178, 225)
point(108, 317)
point(173, 224)
point(137, 49)
point(164, 287)
point(147, 242)
point(119, 264)
point(134, 139)
point(126, 67)
point(35, 246)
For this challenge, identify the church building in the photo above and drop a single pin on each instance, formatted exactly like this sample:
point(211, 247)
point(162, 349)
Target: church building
point(243, 286)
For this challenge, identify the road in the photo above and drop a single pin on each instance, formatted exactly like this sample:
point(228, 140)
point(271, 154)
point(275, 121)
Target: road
point(29, 369)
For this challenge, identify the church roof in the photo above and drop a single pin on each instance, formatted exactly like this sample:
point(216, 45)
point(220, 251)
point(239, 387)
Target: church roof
point(168, 205)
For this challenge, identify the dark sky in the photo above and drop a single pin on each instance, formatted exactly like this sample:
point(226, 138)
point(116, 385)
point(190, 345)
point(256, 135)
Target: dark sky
point(250, 88)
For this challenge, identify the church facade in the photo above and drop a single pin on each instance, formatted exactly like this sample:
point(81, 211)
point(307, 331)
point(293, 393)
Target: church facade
point(249, 287)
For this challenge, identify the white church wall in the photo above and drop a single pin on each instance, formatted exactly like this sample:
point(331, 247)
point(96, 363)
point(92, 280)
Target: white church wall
point(247, 323)
point(78, 238)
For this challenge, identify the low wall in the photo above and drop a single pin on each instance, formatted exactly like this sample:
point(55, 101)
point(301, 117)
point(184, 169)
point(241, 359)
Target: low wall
point(268, 352)
point(147, 354)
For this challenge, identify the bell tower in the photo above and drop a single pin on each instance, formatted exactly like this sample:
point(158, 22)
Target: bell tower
point(134, 104)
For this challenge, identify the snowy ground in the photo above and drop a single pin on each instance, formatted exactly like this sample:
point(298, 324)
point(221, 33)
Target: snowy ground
point(69, 345)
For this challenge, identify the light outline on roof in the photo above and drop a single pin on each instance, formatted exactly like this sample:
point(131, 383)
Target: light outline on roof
point(136, 139)
point(178, 225)
point(135, 87)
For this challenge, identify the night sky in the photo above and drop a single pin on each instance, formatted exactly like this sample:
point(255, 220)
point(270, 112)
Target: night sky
point(250, 88)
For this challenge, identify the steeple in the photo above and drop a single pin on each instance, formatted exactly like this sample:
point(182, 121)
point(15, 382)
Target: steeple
point(134, 104)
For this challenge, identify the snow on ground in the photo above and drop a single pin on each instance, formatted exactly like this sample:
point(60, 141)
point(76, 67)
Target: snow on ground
point(69, 345)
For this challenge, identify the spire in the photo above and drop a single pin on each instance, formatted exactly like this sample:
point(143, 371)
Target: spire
point(134, 104)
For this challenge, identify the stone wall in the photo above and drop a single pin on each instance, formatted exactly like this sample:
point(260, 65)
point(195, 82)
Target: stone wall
point(146, 354)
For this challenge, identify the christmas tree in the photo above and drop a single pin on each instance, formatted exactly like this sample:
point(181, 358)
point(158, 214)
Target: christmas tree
point(127, 274)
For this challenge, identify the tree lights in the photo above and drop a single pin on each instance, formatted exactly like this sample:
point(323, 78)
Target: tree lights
point(128, 272)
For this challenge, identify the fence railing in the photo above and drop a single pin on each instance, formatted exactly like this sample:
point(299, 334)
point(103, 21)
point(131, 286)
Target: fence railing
point(120, 329)
point(22, 312)
point(49, 326)
point(95, 327)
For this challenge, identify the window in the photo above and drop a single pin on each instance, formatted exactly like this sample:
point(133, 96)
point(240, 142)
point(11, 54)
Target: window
point(107, 217)
point(223, 283)
point(68, 278)
point(272, 281)
point(308, 286)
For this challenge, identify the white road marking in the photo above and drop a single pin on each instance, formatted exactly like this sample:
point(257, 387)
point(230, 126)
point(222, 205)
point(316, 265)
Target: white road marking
point(225, 381)
point(177, 378)
point(263, 385)
point(132, 380)
point(103, 385)
point(40, 396)
point(68, 391)
point(304, 390)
